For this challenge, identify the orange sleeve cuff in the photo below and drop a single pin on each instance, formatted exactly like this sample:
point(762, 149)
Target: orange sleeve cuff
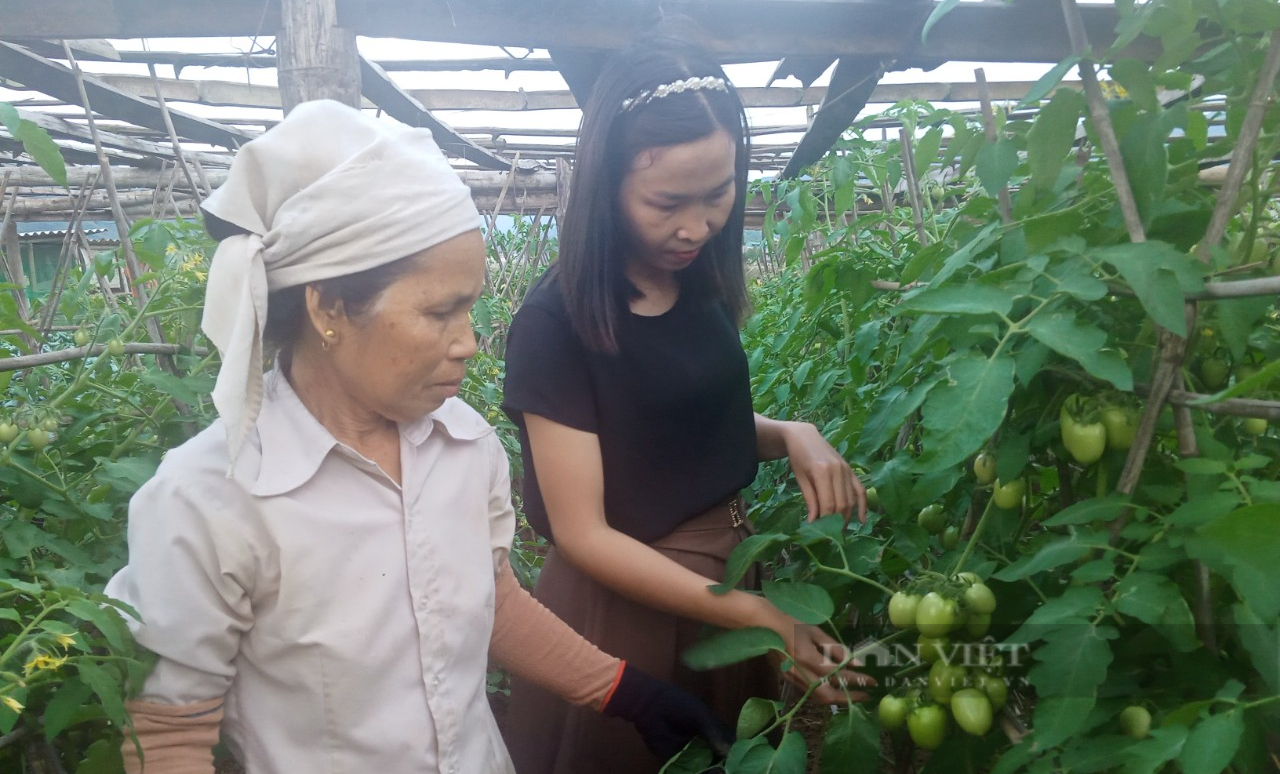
point(533, 644)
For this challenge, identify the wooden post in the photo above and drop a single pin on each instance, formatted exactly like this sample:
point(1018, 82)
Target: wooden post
point(318, 59)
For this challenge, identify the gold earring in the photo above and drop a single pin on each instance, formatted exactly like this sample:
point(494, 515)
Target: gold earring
point(324, 343)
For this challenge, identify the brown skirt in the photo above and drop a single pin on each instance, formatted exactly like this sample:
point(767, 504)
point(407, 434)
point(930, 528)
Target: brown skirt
point(548, 736)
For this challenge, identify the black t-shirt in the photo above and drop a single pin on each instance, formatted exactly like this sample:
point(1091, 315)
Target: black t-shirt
point(672, 408)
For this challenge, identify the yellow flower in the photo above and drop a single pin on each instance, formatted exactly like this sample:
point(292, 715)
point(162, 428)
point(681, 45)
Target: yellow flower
point(44, 661)
point(170, 249)
point(12, 704)
point(65, 640)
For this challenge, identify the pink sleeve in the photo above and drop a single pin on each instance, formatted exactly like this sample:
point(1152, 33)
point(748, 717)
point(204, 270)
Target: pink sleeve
point(533, 644)
point(175, 738)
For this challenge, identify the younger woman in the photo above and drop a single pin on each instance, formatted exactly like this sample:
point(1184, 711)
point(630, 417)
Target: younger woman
point(630, 387)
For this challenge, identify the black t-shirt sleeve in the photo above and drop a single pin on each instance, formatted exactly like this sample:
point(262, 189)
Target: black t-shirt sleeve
point(547, 370)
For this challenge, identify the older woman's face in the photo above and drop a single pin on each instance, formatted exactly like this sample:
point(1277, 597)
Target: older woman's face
point(407, 353)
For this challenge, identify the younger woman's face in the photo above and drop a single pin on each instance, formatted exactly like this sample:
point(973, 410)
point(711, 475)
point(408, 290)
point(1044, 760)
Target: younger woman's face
point(674, 199)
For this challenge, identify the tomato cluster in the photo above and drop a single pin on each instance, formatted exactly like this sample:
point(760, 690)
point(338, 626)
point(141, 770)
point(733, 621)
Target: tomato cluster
point(944, 611)
point(38, 427)
point(1089, 427)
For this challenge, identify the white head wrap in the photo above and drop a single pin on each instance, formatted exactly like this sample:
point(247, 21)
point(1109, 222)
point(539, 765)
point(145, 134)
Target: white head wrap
point(325, 193)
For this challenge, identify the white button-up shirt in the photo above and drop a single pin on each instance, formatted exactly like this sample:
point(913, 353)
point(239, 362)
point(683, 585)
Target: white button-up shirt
point(346, 619)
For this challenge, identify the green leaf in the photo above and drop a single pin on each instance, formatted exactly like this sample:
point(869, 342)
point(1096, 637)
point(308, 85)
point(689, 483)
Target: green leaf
point(975, 247)
point(106, 687)
point(1243, 546)
point(743, 556)
point(9, 117)
point(1058, 718)
point(1047, 81)
point(1093, 509)
point(173, 386)
point(791, 756)
point(1212, 743)
point(1149, 755)
point(756, 715)
point(965, 410)
point(1262, 640)
point(695, 758)
point(805, 602)
point(730, 647)
point(43, 150)
point(60, 713)
point(939, 10)
point(1074, 606)
point(1052, 136)
point(1156, 600)
point(995, 164)
point(1071, 664)
point(852, 744)
point(1084, 343)
point(926, 151)
point(1160, 275)
point(1136, 78)
point(102, 757)
point(1055, 554)
point(1237, 320)
point(106, 619)
point(966, 299)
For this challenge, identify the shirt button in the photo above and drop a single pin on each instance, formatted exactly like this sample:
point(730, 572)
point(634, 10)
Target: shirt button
point(435, 681)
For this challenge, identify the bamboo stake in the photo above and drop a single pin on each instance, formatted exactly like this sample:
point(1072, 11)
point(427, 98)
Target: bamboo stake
point(89, 350)
point(1102, 122)
point(173, 135)
point(13, 263)
point(122, 222)
point(1242, 155)
point(989, 126)
point(913, 187)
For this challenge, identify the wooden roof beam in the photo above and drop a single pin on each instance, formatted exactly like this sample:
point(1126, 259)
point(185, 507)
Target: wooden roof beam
point(987, 31)
point(378, 87)
point(56, 80)
point(224, 93)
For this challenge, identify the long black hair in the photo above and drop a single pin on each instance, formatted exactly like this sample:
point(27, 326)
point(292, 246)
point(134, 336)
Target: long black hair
point(594, 236)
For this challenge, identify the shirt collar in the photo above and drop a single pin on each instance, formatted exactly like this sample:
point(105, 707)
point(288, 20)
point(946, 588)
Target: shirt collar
point(294, 444)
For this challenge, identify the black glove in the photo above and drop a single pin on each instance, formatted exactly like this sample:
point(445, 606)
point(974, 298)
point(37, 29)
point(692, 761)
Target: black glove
point(666, 716)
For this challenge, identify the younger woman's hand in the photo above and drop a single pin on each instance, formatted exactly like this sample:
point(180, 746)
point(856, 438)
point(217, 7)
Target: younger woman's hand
point(817, 657)
point(827, 482)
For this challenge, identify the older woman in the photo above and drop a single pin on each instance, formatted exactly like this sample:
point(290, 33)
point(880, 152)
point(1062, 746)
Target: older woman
point(323, 572)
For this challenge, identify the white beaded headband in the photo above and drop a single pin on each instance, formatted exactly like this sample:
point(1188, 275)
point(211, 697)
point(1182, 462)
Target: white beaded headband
point(709, 82)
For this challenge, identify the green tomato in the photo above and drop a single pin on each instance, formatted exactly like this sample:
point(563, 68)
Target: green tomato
point(1254, 425)
point(927, 726)
point(893, 712)
point(39, 438)
point(972, 710)
point(1214, 372)
point(950, 537)
point(968, 577)
point(984, 468)
point(902, 609)
point(996, 689)
point(81, 337)
point(1009, 495)
point(1085, 440)
point(1122, 426)
point(931, 519)
point(49, 423)
point(944, 680)
point(873, 499)
point(115, 347)
point(936, 615)
point(980, 598)
point(931, 649)
point(976, 624)
point(1135, 721)
point(8, 431)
